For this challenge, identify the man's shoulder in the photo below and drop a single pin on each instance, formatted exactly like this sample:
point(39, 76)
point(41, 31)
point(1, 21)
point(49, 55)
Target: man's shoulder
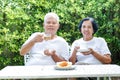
point(60, 38)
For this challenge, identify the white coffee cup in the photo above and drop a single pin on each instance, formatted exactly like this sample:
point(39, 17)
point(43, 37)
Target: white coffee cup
point(83, 48)
point(47, 37)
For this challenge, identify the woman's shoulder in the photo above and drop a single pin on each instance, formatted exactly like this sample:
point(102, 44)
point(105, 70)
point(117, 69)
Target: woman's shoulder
point(99, 39)
point(78, 40)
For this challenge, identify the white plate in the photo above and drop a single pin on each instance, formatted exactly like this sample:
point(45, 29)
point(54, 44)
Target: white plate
point(65, 68)
point(69, 66)
point(83, 50)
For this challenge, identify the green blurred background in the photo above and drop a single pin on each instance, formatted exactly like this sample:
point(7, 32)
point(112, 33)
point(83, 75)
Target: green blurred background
point(20, 18)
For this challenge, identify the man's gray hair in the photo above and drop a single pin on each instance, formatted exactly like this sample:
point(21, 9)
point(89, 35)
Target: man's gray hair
point(51, 14)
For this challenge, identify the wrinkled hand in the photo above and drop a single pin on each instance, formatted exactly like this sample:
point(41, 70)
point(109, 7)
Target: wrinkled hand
point(38, 38)
point(49, 53)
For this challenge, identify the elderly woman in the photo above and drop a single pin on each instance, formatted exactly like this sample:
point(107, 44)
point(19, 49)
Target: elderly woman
point(89, 49)
point(46, 48)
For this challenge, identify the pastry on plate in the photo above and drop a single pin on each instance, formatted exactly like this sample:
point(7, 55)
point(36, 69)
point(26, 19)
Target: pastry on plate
point(64, 64)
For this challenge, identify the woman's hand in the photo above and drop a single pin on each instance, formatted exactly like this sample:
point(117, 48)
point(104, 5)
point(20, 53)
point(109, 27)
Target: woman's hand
point(88, 52)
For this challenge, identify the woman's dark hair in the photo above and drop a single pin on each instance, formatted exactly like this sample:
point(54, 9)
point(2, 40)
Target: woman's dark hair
point(94, 24)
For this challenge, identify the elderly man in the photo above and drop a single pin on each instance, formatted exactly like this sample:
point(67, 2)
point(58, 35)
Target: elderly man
point(46, 48)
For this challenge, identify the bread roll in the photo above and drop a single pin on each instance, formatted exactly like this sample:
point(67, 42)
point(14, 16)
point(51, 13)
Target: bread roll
point(64, 64)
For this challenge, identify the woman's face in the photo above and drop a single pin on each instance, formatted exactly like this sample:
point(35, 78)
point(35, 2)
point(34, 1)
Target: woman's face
point(51, 25)
point(87, 30)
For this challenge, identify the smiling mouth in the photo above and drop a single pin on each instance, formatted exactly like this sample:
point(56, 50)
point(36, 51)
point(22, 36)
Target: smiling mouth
point(86, 33)
point(50, 28)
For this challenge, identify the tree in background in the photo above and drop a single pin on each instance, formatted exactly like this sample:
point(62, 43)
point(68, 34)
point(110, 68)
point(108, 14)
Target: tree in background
point(20, 18)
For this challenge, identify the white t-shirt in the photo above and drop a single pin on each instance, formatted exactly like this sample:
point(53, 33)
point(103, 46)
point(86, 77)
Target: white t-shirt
point(97, 44)
point(37, 56)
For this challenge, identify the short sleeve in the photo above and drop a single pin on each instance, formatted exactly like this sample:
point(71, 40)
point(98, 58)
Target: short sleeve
point(104, 46)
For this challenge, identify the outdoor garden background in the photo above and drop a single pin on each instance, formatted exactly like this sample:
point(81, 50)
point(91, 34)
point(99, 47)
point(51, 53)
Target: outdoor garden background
point(20, 18)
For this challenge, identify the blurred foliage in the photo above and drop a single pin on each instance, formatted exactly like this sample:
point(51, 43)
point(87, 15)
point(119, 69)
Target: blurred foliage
point(20, 18)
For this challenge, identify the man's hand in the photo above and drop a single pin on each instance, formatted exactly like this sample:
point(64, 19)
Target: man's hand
point(49, 52)
point(38, 38)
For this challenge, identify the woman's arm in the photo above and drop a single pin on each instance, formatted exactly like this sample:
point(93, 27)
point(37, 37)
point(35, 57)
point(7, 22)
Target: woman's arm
point(73, 56)
point(105, 59)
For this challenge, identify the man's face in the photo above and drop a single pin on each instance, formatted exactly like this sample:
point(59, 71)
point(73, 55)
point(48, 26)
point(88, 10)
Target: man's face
point(51, 25)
